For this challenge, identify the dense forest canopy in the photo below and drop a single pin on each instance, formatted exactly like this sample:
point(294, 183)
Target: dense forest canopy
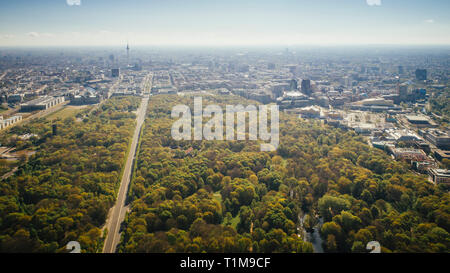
point(227, 196)
point(64, 191)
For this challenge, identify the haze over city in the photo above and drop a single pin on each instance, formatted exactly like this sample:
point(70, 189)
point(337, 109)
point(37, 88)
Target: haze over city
point(223, 23)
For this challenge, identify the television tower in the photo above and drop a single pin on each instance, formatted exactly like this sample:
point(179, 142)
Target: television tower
point(128, 54)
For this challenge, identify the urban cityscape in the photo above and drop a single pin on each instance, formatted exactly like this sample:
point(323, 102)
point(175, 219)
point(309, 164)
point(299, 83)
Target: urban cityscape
point(88, 163)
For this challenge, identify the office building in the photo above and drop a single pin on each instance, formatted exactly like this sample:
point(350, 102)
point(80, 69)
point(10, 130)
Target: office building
point(409, 155)
point(5, 123)
point(115, 72)
point(42, 103)
point(15, 98)
point(293, 85)
point(441, 155)
point(421, 74)
point(418, 120)
point(306, 87)
point(438, 138)
point(439, 176)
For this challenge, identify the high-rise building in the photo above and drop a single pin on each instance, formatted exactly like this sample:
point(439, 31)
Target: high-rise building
point(115, 72)
point(403, 90)
point(421, 74)
point(306, 87)
point(293, 85)
point(128, 54)
point(400, 70)
point(347, 81)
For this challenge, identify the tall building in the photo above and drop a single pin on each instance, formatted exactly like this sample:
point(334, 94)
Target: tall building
point(306, 87)
point(346, 81)
point(293, 85)
point(115, 72)
point(421, 74)
point(403, 91)
point(128, 54)
point(400, 70)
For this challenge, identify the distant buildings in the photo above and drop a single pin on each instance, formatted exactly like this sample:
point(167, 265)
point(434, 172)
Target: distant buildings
point(418, 121)
point(310, 112)
point(293, 85)
point(42, 103)
point(85, 99)
point(421, 74)
point(441, 155)
point(293, 100)
point(407, 95)
point(224, 91)
point(438, 138)
point(409, 155)
point(125, 93)
point(402, 92)
point(375, 105)
point(115, 72)
point(261, 97)
point(279, 88)
point(306, 87)
point(15, 98)
point(403, 136)
point(364, 128)
point(377, 102)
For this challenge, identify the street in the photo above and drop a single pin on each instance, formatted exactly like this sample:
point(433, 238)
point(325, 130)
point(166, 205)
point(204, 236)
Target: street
point(117, 213)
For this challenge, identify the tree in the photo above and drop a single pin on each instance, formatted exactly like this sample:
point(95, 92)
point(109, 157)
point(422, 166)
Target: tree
point(330, 205)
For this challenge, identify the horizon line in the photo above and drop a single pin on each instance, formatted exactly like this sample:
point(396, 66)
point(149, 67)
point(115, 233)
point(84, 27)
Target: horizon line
point(228, 45)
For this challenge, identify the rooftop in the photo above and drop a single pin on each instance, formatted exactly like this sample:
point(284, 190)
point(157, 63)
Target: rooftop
point(417, 118)
point(39, 101)
point(441, 172)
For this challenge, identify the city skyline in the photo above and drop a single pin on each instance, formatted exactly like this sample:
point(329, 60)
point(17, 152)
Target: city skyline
point(224, 23)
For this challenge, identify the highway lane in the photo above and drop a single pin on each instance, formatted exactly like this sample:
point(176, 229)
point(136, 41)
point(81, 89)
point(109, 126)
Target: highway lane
point(117, 213)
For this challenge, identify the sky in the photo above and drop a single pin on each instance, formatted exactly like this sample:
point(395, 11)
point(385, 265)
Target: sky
point(223, 22)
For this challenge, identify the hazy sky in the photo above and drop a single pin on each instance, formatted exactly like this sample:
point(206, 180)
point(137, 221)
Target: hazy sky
point(223, 22)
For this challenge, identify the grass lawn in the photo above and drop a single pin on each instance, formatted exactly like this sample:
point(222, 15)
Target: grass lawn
point(65, 112)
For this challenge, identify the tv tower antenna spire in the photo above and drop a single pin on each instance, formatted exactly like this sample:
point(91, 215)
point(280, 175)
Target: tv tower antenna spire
point(128, 54)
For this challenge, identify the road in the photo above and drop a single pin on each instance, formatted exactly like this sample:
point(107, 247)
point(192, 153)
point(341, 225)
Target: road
point(117, 213)
point(9, 174)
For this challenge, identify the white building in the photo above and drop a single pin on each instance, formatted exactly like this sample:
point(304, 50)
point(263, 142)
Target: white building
point(42, 103)
point(5, 123)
